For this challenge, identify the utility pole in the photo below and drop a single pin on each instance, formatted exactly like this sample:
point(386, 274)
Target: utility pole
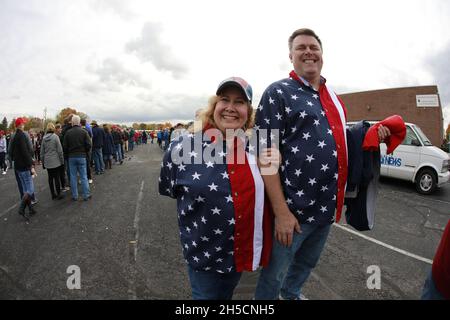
point(45, 119)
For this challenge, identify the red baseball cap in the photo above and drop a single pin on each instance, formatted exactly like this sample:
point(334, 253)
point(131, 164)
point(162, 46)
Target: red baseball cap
point(20, 121)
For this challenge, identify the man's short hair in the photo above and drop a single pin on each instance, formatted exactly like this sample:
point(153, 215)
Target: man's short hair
point(76, 120)
point(305, 32)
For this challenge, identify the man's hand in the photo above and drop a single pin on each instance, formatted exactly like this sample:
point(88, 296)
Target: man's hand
point(285, 224)
point(383, 133)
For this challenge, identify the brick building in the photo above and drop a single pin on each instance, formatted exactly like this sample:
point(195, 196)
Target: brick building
point(419, 105)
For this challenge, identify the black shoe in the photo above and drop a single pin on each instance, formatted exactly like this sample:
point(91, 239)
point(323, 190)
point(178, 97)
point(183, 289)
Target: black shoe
point(32, 210)
point(88, 198)
point(59, 197)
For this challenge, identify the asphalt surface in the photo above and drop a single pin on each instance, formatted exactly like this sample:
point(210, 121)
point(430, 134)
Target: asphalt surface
point(125, 242)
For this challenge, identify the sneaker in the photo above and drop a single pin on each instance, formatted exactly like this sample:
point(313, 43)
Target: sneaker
point(88, 198)
point(90, 181)
point(33, 202)
point(301, 297)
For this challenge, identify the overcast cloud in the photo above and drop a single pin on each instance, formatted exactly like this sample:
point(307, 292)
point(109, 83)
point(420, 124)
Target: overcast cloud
point(142, 61)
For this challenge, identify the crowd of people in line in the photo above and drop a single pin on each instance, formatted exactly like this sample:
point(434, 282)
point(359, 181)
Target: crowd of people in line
point(71, 152)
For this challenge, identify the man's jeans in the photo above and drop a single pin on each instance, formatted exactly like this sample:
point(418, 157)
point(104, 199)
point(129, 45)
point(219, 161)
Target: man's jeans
point(98, 160)
point(297, 261)
point(119, 156)
point(78, 165)
point(26, 181)
point(430, 292)
point(209, 285)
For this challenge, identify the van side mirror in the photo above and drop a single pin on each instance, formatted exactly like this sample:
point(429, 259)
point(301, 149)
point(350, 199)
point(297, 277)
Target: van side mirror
point(415, 142)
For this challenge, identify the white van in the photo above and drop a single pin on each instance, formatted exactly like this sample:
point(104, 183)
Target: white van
point(416, 160)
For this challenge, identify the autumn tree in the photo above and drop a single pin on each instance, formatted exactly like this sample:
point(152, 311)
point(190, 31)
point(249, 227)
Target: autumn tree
point(64, 113)
point(135, 126)
point(4, 124)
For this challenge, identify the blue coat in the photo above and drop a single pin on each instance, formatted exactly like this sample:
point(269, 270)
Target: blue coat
point(362, 180)
point(108, 146)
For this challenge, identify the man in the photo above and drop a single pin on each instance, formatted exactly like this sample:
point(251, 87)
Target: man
point(98, 139)
point(21, 152)
point(307, 194)
point(88, 129)
point(77, 144)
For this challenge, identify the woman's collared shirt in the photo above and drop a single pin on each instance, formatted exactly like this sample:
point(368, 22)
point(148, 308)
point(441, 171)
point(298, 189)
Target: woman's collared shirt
point(220, 204)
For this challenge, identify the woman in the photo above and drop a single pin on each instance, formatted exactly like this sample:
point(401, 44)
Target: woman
point(108, 148)
point(52, 158)
point(225, 226)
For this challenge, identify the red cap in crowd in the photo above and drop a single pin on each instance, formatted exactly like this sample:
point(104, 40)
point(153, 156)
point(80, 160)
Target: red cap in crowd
point(20, 121)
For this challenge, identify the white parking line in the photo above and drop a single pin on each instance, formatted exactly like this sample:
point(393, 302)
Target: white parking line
point(136, 219)
point(135, 243)
point(406, 253)
point(8, 210)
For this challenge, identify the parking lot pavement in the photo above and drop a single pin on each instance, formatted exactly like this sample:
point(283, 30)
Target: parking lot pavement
point(125, 242)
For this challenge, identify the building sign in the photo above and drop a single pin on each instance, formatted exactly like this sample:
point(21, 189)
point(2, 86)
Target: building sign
point(427, 100)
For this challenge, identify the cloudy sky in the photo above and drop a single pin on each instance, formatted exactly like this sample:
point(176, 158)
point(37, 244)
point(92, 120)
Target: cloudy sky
point(143, 61)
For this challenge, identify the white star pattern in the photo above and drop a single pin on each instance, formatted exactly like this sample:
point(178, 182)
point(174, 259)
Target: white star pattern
point(300, 193)
point(312, 182)
point(322, 144)
point(306, 136)
point(298, 172)
point(212, 187)
point(279, 116)
point(294, 150)
point(225, 175)
point(324, 167)
point(216, 211)
point(294, 97)
point(303, 114)
point(323, 209)
point(196, 176)
point(310, 158)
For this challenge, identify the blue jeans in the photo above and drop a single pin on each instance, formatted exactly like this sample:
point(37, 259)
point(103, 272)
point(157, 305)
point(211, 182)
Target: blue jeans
point(430, 292)
point(97, 155)
point(130, 145)
point(210, 285)
point(78, 165)
point(118, 152)
point(26, 181)
point(289, 267)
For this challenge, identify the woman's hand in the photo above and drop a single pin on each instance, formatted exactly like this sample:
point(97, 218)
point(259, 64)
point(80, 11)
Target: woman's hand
point(269, 161)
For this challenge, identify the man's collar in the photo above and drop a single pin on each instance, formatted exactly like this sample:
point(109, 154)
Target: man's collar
point(294, 75)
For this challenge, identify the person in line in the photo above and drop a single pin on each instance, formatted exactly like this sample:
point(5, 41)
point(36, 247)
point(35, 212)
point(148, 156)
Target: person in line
point(52, 158)
point(77, 143)
point(21, 153)
point(98, 140)
point(307, 195)
point(224, 222)
point(3, 149)
point(108, 148)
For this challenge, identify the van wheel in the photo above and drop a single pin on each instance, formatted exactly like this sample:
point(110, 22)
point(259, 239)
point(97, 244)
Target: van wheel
point(426, 181)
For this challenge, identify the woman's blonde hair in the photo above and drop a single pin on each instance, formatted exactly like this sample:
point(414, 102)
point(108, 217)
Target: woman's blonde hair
point(51, 127)
point(207, 114)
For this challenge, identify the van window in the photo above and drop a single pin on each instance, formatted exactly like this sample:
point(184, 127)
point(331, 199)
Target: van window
point(422, 135)
point(410, 136)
